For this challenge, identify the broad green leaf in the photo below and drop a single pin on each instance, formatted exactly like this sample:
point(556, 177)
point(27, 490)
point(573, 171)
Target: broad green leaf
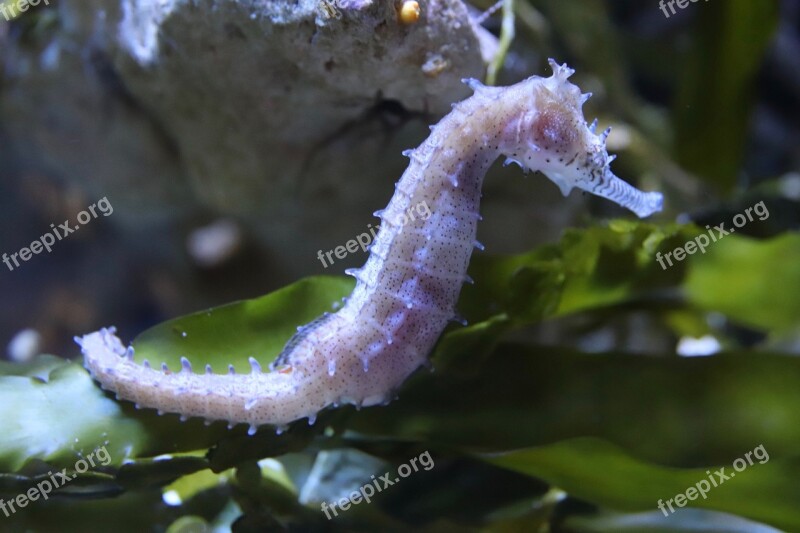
point(685, 410)
point(589, 268)
point(232, 333)
point(52, 411)
point(609, 265)
point(756, 283)
point(599, 472)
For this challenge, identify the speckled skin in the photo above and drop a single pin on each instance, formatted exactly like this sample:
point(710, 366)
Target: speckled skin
point(407, 290)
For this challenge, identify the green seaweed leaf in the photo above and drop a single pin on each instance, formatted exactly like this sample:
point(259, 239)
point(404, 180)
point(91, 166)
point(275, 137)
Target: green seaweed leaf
point(599, 472)
point(712, 110)
point(529, 396)
point(53, 412)
point(232, 333)
point(755, 283)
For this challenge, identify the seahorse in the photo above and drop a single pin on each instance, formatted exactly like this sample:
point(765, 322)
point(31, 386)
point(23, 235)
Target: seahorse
point(406, 292)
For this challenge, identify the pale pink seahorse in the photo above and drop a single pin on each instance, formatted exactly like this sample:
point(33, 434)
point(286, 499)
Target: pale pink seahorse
point(407, 291)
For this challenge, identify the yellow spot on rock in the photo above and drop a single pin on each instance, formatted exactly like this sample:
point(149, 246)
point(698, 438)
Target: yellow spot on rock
point(409, 12)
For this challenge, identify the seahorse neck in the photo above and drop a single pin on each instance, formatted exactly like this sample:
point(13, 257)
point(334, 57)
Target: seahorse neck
point(445, 176)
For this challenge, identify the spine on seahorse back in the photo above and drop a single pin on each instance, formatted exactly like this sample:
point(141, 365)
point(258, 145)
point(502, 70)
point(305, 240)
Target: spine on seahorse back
point(407, 290)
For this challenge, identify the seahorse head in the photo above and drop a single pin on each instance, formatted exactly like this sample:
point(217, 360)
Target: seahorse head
point(552, 136)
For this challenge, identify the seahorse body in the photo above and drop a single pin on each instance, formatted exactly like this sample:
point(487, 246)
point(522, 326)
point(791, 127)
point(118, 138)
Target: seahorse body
point(407, 290)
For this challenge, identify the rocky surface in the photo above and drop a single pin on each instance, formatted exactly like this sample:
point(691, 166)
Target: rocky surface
point(247, 107)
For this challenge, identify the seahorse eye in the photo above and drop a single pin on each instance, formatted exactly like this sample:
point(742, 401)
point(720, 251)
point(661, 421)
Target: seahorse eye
point(552, 129)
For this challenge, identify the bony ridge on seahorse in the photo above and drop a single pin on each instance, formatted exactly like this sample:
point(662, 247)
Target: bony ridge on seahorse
point(406, 292)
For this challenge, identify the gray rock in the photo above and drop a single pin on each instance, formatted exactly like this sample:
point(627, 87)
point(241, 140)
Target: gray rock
point(267, 110)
